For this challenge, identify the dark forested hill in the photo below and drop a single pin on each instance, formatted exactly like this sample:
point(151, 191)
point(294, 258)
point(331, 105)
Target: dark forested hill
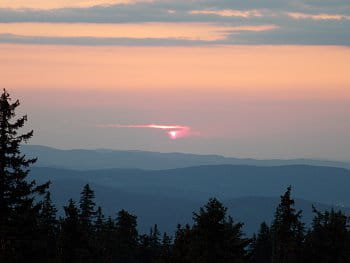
point(168, 197)
point(106, 159)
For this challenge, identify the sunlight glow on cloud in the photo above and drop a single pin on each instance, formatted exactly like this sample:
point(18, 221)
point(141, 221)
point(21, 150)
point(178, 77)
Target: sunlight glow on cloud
point(229, 12)
point(186, 31)
point(173, 131)
point(318, 16)
point(57, 4)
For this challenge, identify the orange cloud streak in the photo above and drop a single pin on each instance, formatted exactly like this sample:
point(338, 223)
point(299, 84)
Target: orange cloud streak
point(188, 31)
point(318, 16)
point(55, 4)
point(229, 12)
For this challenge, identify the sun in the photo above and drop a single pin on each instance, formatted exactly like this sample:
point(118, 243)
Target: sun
point(173, 134)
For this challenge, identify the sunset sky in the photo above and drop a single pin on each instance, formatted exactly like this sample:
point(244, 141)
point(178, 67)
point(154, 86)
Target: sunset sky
point(260, 79)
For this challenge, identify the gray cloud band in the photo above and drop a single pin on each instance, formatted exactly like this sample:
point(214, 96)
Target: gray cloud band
point(299, 22)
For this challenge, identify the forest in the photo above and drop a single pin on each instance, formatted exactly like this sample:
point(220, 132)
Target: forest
point(32, 230)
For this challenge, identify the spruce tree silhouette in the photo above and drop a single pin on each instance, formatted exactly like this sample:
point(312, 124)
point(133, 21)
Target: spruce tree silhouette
point(18, 207)
point(49, 228)
point(261, 247)
point(70, 242)
point(127, 236)
point(165, 254)
point(287, 232)
point(329, 239)
point(87, 207)
point(99, 221)
point(215, 237)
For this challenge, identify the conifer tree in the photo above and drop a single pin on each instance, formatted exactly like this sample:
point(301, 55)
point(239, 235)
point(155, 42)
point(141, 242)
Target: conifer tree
point(48, 215)
point(109, 242)
point(48, 228)
point(329, 239)
point(110, 224)
point(287, 232)
point(70, 239)
point(87, 207)
point(165, 254)
point(155, 237)
point(127, 236)
point(262, 245)
point(100, 220)
point(181, 248)
point(216, 238)
point(99, 237)
point(146, 254)
point(18, 206)
point(150, 245)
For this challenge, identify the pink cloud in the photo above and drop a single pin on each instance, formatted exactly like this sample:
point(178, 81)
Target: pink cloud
point(229, 12)
point(318, 16)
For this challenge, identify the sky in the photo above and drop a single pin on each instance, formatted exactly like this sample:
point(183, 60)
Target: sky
point(260, 79)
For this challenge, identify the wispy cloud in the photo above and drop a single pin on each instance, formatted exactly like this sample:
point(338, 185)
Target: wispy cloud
point(229, 13)
point(296, 15)
point(187, 22)
point(57, 4)
point(184, 31)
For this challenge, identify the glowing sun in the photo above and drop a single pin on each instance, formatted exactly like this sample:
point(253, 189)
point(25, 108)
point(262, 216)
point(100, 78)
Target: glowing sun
point(172, 134)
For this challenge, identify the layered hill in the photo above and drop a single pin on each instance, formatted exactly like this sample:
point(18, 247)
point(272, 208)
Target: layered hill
point(168, 197)
point(108, 159)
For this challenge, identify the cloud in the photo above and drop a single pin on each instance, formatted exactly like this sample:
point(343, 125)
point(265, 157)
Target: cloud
point(296, 15)
point(229, 12)
point(57, 4)
point(92, 41)
point(189, 22)
point(183, 31)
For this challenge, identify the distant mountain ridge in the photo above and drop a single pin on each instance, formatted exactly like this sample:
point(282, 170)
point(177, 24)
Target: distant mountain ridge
point(321, 184)
point(169, 197)
point(165, 188)
point(107, 159)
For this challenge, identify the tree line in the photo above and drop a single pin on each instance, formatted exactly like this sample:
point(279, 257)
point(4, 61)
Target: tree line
point(32, 231)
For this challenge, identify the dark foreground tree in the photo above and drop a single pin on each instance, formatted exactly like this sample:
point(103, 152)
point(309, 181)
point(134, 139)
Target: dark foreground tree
point(49, 227)
point(181, 247)
point(87, 208)
point(214, 237)
point(165, 253)
point(329, 239)
point(287, 232)
point(18, 207)
point(261, 247)
point(127, 237)
point(71, 247)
